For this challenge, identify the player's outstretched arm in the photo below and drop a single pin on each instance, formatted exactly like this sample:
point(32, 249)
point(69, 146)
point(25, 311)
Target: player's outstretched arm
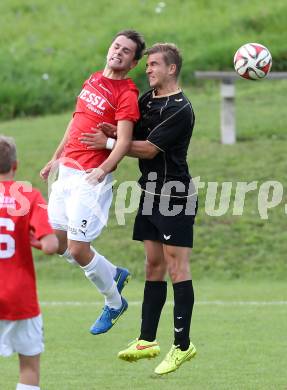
point(44, 173)
point(143, 149)
point(121, 148)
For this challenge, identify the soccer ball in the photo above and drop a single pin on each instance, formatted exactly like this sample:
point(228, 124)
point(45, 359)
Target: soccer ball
point(252, 61)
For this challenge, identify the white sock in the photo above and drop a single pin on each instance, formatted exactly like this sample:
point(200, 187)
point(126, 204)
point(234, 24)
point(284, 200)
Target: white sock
point(99, 273)
point(69, 257)
point(112, 267)
point(20, 386)
point(71, 260)
point(112, 297)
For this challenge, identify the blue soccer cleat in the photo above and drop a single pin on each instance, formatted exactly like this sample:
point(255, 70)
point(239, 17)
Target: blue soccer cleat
point(108, 318)
point(122, 278)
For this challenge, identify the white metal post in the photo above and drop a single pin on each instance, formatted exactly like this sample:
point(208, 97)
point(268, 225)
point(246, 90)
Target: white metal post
point(227, 127)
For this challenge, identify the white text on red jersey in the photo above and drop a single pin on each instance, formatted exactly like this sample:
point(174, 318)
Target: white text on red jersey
point(93, 99)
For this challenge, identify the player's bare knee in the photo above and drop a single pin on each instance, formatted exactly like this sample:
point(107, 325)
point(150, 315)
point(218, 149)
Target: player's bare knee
point(154, 262)
point(155, 269)
point(74, 250)
point(178, 271)
point(30, 369)
point(172, 259)
point(175, 266)
point(80, 251)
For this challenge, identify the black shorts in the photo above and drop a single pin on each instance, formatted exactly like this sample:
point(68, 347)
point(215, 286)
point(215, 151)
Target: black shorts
point(165, 219)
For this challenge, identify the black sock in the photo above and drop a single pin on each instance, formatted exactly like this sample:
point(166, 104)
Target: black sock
point(153, 302)
point(183, 305)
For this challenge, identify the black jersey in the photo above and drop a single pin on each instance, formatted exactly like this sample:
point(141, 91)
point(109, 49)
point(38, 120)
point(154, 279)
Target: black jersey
point(167, 122)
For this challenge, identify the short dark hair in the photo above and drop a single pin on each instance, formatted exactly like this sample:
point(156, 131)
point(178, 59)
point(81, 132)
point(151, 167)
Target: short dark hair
point(171, 54)
point(137, 38)
point(7, 154)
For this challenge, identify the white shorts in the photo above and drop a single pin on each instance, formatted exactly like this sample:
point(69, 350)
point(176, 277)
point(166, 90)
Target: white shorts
point(78, 207)
point(22, 336)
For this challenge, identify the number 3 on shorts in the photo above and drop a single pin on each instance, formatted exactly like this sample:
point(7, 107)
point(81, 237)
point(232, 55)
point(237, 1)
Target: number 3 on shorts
point(6, 239)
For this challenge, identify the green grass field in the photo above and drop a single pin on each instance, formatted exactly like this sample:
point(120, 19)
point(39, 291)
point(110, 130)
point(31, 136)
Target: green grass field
point(236, 260)
point(239, 329)
point(238, 263)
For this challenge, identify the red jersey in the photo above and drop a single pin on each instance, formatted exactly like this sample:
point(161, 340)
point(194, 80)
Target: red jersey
point(20, 212)
point(101, 100)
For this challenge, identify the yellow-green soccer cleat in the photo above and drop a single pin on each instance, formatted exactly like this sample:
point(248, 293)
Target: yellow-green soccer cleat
point(139, 349)
point(174, 359)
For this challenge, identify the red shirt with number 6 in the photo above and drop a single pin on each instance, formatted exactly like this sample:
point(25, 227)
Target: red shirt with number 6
point(22, 210)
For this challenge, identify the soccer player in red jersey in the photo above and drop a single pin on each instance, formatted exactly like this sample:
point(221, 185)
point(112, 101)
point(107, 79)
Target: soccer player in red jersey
point(23, 222)
point(78, 209)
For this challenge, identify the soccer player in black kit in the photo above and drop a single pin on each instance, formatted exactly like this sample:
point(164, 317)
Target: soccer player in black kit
point(168, 205)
